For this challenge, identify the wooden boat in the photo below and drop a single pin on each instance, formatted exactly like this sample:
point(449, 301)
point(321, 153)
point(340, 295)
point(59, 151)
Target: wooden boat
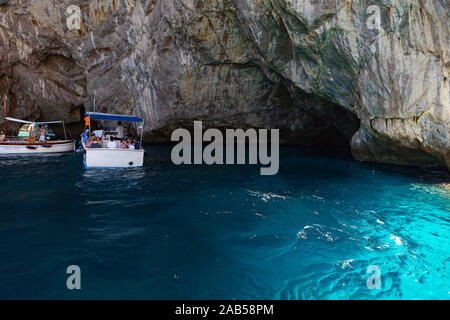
point(26, 142)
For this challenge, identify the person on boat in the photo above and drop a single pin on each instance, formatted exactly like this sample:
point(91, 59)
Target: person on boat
point(120, 130)
point(42, 133)
point(123, 144)
point(132, 145)
point(92, 142)
point(89, 142)
point(2, 136)
point(111, 144)
point(31, 138)
point(96, 143)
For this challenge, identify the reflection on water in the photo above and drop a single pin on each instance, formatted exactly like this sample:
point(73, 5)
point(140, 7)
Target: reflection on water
point(28, 159)
point(111, 180)
point(165, 231)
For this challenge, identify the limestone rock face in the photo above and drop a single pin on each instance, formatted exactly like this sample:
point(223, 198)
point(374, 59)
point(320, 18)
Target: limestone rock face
point(322, 71)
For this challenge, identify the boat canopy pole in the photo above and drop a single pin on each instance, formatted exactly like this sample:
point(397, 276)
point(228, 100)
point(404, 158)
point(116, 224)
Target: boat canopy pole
point(4, 112)
point(31, 122)
point(18, 120)
point(49, 122)
point(142, 133)
point(64, 128)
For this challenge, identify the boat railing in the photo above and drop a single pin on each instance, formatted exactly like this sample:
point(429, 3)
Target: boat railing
point(22, 140)
point(11, 139)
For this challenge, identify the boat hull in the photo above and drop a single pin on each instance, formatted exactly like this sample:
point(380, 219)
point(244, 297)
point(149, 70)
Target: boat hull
point(113, 158)
point(37, 148)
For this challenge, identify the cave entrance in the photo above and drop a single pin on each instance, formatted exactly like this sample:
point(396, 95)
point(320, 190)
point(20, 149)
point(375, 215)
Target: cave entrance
point(318, 123)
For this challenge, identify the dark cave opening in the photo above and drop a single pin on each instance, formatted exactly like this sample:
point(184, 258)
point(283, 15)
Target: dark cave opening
point(316, 122)
point(331, 131)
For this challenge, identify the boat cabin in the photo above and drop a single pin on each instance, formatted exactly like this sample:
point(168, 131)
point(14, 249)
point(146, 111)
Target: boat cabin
point(32, 130)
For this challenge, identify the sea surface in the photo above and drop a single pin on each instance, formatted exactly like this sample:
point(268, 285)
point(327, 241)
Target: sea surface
point(223, 232)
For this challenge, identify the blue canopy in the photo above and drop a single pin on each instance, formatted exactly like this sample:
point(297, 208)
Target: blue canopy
point(115, 117)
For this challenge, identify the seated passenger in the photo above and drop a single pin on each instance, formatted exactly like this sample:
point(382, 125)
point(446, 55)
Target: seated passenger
point(89, 142)
point(132, 145)
point(2, 136)
point(123, 144)
point(111, 144)
point(96, 143)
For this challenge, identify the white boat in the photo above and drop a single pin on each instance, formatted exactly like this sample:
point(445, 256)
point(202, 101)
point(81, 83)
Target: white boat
point(103, 157)
point(25, 142)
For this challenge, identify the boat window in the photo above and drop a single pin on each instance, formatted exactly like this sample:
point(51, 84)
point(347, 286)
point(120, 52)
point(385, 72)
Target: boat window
point(25, 131)
point(50, 133)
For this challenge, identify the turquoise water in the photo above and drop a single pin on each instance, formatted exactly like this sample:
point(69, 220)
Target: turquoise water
point(223, 232)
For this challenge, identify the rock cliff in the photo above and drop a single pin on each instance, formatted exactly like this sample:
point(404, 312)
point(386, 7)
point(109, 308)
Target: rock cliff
point(316, 69)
